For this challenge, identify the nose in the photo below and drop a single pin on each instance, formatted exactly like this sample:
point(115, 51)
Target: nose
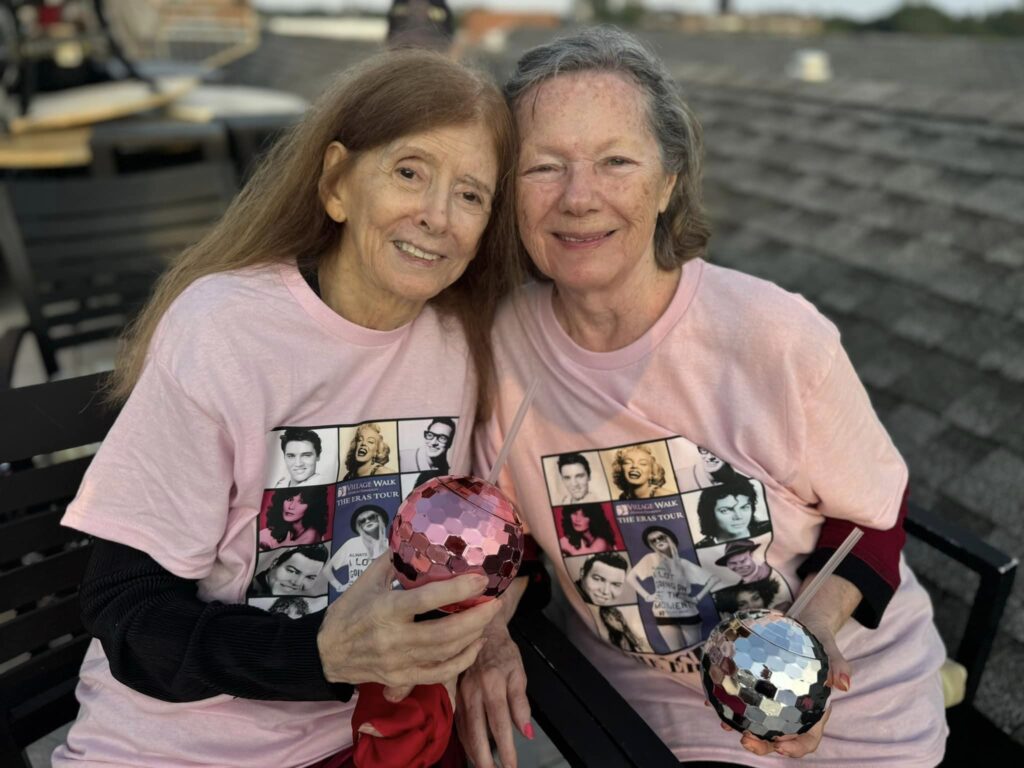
point(579, 194)
point(434, 216)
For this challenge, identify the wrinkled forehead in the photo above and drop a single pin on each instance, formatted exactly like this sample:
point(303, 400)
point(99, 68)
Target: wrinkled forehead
point(601, 100)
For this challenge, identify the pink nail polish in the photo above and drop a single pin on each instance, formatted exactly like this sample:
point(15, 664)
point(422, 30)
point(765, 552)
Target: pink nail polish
point(528, 731)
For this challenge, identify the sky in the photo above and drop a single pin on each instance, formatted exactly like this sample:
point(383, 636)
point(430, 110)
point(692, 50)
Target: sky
point(857, 9)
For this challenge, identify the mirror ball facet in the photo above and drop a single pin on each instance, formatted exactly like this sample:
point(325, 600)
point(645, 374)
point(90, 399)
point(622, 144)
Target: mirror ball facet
point(453, 525)
point(765, 673)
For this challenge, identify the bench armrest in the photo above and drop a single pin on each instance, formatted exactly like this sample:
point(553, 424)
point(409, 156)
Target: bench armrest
point(582, 714)
point(997, 571)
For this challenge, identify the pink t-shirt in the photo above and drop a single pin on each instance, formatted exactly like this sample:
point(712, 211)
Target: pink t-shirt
point(263, 435)
point(718, 441)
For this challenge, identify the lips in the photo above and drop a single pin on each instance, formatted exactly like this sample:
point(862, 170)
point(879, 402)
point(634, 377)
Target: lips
point(417, 252)
point(583, 238)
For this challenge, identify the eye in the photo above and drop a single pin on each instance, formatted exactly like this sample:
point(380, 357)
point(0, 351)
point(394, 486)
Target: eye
point(472, 197)
point(618, 162)
point(406, 173)
point(542, 168)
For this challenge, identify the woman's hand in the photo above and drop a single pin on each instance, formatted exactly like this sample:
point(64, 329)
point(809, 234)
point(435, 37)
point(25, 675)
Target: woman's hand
point(368, 634)
point(828, 610)
point(492, 693)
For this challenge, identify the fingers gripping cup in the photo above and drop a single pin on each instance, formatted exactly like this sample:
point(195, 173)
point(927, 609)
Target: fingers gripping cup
point(765, 673)
point(453, 525)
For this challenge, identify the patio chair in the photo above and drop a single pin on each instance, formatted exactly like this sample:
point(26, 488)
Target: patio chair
point(133, 144)
point(83, 253)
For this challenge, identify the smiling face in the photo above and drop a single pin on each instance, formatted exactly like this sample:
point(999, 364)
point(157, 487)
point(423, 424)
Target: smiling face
point(742, 564)
point(300, 459)
point(294, 508)
point(436, 439)
point(733, 515)
point(294, 575)
point(576, 480)
point(413, 212)
point(367, 444)
point(636, 466)
point(603, 583)
point(711, 462)
point(590, 181)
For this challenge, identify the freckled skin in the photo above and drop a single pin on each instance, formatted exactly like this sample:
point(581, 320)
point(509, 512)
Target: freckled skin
point(590, 168)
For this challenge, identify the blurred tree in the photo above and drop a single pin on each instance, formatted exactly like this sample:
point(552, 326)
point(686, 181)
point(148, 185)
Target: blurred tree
point(915, 18)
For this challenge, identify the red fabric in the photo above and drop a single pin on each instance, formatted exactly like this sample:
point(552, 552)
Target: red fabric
point(878, 549)
point(414, 731)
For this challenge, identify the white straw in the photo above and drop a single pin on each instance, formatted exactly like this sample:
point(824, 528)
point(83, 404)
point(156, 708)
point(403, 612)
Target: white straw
point(824, 573)
point(517, 422)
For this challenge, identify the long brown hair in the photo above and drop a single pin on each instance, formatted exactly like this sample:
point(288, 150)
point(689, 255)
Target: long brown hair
point(279, 217)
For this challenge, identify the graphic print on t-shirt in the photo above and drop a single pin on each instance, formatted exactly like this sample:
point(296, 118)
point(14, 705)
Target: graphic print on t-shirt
point(662, 539)
point(331, 492)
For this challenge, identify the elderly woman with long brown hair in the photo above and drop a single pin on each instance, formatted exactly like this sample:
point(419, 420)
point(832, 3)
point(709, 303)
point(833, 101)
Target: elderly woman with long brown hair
point(366, 254)
point(637, 339)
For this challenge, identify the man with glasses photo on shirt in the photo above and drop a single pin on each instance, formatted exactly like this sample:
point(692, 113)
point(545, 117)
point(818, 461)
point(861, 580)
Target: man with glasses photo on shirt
point(433, 454)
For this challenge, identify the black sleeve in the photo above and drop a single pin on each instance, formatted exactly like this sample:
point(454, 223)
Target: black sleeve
point(538, 589)
point(163, 641)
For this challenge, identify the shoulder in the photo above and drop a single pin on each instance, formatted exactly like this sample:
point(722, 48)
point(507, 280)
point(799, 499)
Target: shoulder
point(743, 312)
point(762, 307)
point(213, 299)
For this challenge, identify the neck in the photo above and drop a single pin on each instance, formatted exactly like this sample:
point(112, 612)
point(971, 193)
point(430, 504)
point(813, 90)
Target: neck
point(606, 320)
point(348, 293)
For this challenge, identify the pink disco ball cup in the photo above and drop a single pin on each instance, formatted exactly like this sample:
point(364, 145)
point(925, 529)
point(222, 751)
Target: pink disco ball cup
point(453, 525)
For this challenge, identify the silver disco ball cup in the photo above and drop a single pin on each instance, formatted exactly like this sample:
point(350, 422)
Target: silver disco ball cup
point(765, 673)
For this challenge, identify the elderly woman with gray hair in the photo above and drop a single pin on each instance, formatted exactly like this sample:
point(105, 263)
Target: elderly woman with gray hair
point(637, 339)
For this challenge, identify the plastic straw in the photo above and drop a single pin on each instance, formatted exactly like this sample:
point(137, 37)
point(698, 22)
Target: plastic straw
point(517, 422)
point(824, 573)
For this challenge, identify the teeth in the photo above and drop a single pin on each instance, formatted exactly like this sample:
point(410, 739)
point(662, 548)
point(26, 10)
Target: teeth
point(570, 239)
point(412, 250)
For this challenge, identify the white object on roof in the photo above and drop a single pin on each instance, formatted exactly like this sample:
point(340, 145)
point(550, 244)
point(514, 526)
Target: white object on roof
point(810, 65)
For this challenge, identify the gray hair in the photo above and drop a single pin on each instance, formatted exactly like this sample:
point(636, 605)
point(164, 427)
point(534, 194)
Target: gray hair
point(683, 231)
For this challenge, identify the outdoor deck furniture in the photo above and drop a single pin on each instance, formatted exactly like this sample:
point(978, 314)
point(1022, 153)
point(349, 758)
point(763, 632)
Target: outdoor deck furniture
point(42, 640)
point(124, 146)
point(83, 253)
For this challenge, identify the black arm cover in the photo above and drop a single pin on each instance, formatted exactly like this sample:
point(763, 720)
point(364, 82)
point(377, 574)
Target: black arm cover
point(538, 590)
point(163, 641)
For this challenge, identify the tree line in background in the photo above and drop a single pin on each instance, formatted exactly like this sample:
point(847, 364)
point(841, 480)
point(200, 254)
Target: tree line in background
point(924, 19)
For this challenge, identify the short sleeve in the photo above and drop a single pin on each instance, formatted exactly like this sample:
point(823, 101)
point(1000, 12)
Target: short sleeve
point(161, 481)
point(849, 467)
